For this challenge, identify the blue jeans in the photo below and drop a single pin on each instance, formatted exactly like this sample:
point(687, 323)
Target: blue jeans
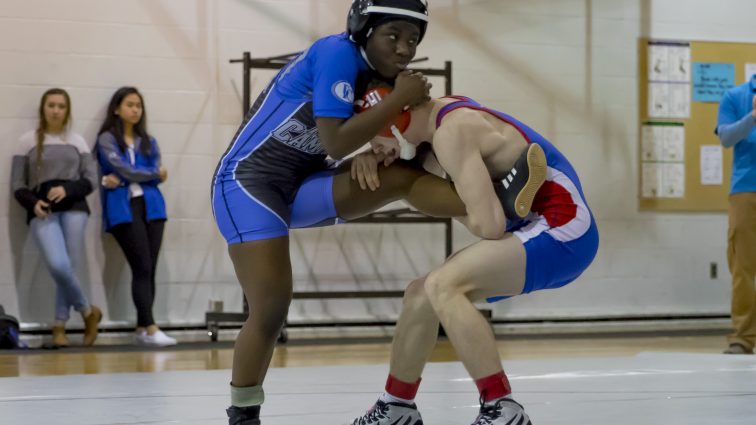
point(60, 238)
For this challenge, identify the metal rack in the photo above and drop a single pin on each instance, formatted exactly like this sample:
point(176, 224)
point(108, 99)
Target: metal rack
point(214, 319)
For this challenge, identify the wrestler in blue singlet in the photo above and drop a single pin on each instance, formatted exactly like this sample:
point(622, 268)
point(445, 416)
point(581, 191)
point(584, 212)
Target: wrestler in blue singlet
point(277, 148)
point(560, 234)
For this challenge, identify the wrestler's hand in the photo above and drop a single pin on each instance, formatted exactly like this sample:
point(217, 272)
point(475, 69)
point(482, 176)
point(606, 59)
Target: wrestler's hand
point(387, 147)
point(413, 86)
point(365, 169)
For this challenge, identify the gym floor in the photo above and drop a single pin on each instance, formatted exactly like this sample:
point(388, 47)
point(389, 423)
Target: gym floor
point(561, 380)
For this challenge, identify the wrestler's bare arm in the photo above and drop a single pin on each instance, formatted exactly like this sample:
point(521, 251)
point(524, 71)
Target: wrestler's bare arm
point(462, 160)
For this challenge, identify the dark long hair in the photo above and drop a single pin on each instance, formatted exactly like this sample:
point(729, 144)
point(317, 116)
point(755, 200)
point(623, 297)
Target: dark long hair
point(42, 127)
point(114, 124)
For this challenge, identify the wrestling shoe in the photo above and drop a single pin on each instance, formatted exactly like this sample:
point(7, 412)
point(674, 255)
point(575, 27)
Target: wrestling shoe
point(519, 187)
point(390, 414)
point(503, 411)
point(243, 415)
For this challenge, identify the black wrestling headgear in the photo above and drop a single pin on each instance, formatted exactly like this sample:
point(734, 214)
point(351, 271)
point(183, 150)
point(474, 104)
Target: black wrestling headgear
point(365, 15)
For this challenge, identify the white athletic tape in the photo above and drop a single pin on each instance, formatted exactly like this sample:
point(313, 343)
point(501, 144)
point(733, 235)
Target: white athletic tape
point(406, 149)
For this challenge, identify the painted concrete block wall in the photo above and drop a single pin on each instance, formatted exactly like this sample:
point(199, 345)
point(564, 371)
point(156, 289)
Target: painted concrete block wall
point(566, 67)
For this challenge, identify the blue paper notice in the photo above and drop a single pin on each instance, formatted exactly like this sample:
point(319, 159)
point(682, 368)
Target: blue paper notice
point(711, 80)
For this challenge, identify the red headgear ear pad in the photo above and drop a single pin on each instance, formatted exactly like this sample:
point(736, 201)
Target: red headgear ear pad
point(372, 98)
point(393, 129)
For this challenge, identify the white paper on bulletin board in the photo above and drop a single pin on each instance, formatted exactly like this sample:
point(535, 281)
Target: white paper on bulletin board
point(668, 100)
point(750, 70)
point(679, 101)
point(669, 77)
point(669, 61)
point(663, 142)
point(674, 144)
point(711, 165)
point(658, 62)
point(651, 179)
point(673, 180)
point(679, 63)
point(658, 100)
point(662, 159)
point(652, 143)
point(662, 180)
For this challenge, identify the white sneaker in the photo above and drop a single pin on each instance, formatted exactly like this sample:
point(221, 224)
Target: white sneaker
point(158, 339)
point(139, 337)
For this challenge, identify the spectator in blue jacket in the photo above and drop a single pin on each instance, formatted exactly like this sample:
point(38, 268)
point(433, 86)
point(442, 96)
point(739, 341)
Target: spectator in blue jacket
point(132, 205)
point(52, 174)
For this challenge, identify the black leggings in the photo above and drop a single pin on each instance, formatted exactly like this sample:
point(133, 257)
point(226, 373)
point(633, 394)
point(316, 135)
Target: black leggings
point(140, 241)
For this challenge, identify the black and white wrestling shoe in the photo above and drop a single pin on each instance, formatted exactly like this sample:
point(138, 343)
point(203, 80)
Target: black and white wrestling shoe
point(519, 187)
point(243, 415)
point(503, 411)
point(390, 414)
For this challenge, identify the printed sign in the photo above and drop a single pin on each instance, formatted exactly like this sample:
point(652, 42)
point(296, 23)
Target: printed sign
point(711, 80)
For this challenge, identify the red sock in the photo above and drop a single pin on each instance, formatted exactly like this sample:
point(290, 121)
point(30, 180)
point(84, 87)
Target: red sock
point(401, 389)
point(493, 386)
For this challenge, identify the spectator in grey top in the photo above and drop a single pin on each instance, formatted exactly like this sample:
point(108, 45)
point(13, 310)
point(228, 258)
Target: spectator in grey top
point(52, 174)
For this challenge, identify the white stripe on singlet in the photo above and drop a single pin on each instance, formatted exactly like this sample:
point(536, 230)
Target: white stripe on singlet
point(267, 139)
point(567, 232)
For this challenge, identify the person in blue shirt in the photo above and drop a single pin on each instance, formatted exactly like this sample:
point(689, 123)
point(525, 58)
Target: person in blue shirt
point(736, 127)
point(275, 174)
point(133, 208)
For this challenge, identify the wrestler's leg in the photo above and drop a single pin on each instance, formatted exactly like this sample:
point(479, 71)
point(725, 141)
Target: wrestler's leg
point(263, 269)
point(484, 269)
point(430, 194)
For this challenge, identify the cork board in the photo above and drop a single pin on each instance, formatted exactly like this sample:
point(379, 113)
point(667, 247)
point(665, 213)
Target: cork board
point(698, 131)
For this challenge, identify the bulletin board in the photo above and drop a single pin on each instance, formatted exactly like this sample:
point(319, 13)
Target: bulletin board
point(687, 192)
